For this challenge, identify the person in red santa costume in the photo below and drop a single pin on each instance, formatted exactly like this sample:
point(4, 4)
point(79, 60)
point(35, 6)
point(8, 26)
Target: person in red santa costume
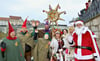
point(86, 48)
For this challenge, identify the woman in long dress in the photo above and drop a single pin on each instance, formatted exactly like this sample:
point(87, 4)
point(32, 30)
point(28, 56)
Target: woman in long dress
point(69, 56)
point(56, 45)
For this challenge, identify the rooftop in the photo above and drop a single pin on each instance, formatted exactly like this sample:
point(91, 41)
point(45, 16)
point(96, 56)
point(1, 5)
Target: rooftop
point(10, 17)
point(92, 11)
point(4, 18)
point(15, 17)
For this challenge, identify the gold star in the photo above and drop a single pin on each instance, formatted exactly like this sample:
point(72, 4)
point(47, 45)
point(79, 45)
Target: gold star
point(53, 14)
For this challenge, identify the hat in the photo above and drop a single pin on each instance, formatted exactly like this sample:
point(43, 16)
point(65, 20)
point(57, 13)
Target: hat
point(47, 23)
point(24, 23)
point(79, 22)
point(58, 31)
point(48, 35)
point(10, 30)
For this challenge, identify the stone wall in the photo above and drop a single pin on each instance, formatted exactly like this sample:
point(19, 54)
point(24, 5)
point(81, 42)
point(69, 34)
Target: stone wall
point(94, 25)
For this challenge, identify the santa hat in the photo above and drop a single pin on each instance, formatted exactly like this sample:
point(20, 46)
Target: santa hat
point(79, 22)
point(10, 30)
point(24, 24)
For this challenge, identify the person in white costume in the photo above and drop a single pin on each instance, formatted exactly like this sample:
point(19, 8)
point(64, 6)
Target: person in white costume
point(69, 56)
point(57, 46)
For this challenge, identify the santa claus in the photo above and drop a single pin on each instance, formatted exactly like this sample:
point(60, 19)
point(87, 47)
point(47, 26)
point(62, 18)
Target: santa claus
point(86, 48)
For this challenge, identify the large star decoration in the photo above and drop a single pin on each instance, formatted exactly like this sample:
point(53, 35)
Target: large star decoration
point(53, 14)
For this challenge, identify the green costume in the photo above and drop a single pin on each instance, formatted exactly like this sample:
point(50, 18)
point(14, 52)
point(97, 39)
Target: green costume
point(1, 59)
point(41, 50)
point(13, 50)
point(26, 38)
point(33, 34)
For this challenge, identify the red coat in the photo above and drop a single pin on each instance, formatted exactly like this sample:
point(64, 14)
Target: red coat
point(86, 39)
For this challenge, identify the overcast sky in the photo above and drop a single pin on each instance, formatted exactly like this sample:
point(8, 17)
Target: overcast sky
point(34, 8)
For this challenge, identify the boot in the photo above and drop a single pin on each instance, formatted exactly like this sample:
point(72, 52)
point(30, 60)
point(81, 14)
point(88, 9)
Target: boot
point(28, 56)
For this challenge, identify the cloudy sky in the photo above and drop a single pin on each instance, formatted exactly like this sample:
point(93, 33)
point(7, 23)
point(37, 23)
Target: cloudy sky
point(34, 8)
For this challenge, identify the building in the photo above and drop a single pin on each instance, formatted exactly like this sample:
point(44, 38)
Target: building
point(92, 18)
point(3, 24)
point(14, 20)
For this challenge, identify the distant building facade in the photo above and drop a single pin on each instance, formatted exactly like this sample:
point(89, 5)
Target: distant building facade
point(14, 20)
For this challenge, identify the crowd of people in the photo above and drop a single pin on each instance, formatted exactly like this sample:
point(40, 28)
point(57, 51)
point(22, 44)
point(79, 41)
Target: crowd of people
point(77, 43)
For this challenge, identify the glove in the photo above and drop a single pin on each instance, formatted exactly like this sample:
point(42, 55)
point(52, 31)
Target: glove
point(3, 46)
point(35, 36)
point(97, 58)
point(35, 27)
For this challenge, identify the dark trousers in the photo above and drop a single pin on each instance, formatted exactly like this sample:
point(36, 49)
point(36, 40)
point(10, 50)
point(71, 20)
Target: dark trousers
point(27, 52)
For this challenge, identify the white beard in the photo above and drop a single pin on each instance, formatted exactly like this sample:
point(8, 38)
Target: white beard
point(79, 30)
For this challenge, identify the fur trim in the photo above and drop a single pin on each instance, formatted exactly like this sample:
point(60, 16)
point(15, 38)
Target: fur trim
point(83, 57)
point(79, 22)
point(97, 59)
point(83, 30)
point(96, 49)
point(94, 36)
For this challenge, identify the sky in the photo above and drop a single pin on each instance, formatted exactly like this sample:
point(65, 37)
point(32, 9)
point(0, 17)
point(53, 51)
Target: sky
point(34, 8)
